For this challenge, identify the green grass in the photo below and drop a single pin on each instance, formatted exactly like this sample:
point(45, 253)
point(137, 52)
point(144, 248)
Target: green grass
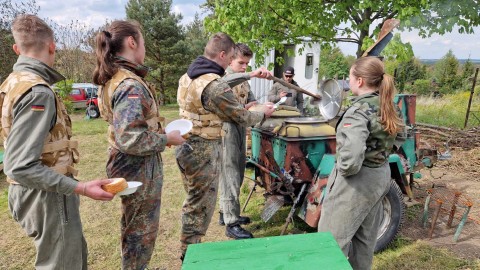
point(405, 254)
point(101, 220)
point(449, 111)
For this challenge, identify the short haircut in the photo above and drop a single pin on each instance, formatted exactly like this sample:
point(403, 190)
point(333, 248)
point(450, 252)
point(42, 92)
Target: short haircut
point(31, 33)
point(242, 49)
point(218, 42)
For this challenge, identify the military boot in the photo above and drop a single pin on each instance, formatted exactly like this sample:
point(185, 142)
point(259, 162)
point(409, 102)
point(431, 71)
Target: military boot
point(241, 220)
point(237, 232)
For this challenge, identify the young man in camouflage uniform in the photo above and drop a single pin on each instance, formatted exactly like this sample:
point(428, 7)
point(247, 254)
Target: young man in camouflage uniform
point(234, 148)
point(207, 100)
point(294, 98)
point(39, 154)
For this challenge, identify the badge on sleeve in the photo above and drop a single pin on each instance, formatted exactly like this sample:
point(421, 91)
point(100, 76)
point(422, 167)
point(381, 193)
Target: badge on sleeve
point(347, 124)
point(38, 108)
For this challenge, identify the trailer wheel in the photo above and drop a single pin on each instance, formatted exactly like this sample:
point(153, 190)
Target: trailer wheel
point(92, 111)
point(392, 217)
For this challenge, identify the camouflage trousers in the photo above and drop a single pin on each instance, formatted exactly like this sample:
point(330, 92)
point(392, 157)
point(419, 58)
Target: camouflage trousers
point(140, 210)
point(352, 212)
point(233, 170)
point(53, 221)
point(200, 170)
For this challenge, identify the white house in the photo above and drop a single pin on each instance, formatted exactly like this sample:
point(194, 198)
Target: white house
point(305, 65)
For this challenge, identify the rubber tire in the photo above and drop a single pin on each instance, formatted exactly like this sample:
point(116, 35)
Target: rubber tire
point(93, 111)
point(394, 211)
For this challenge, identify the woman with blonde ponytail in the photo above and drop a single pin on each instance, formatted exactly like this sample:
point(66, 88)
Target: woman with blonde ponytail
point(366, 134)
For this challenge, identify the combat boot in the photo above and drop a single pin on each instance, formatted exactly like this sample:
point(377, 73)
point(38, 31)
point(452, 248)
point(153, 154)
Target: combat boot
point(237, 232)
point(241, 220)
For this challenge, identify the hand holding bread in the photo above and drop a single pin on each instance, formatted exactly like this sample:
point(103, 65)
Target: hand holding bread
point(93, 189)
point(117, 185)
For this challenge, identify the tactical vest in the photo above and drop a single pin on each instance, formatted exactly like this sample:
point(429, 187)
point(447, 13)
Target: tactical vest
point(379, 143)
point(59, 152)
point(241, 92)
point(189, 97)
point(105, 94)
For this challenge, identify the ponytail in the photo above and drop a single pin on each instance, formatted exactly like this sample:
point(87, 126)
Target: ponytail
point(110, 42)
point(105, 68)
point(371, 69)
point(388, 114)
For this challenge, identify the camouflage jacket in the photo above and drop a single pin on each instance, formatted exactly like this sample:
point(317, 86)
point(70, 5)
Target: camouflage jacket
point(361, 138)
point(131, 103)
point(219, 99)
point(242, 92)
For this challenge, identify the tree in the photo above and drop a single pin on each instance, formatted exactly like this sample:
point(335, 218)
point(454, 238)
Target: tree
point(75, 58)
point(271, 23)
point(408, 72)
point(446, 73)
point(467, 73)
point(196, 37)
point(167, 52)
point(333, 63)
point(8, 11)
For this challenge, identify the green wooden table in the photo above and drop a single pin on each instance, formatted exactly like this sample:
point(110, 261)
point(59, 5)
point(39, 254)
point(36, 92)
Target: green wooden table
point(299, 251)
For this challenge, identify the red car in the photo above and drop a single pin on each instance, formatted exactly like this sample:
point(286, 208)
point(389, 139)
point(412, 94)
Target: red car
point(92, 105)
point(78, 96)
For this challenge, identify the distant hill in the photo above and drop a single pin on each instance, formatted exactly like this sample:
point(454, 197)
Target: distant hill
point(461, 61)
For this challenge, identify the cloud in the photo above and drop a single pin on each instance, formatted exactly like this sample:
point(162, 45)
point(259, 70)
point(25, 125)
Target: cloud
point(187, 10)
point(93, 13)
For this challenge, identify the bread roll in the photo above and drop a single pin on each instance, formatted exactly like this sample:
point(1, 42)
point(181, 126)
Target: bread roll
point(118, 184)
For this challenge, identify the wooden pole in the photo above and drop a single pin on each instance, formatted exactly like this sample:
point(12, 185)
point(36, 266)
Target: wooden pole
point(471, 97)
point(294, 87)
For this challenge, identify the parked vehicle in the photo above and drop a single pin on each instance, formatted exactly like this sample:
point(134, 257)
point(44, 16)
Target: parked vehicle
point(78, 96)
point(92, 110)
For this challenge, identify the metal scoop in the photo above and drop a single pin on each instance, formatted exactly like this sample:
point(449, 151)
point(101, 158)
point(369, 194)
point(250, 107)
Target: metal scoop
point(281, 101)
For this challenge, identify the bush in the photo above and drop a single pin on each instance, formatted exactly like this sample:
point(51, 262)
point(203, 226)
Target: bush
point(63, 89)
point(420, 87)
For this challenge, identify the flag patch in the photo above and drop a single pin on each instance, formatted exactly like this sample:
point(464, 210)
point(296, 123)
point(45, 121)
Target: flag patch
point(38, 108)
point(133, 96)
point(347, 124)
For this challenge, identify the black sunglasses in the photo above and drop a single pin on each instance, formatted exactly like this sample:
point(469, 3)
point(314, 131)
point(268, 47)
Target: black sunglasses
point(288, 76)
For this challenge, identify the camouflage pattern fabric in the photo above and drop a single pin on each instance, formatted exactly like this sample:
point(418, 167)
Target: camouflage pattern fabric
point(361, 178)
point(200, 168)
point(43, 203)
point(362, 122)
point(200, 164)
point(137, 159)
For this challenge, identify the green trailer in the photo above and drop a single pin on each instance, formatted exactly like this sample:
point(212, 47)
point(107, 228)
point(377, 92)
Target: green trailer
point(292, 159)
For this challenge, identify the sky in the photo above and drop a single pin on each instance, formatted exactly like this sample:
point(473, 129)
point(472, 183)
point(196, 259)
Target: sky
point(95, 12)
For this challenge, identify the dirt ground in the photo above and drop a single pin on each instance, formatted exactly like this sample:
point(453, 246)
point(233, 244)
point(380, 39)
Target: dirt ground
point(460, 173)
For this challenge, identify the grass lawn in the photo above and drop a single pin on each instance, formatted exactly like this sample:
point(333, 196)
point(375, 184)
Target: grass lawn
point(102, 225)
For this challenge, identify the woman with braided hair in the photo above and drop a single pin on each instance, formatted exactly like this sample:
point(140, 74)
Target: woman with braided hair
point(366, 134)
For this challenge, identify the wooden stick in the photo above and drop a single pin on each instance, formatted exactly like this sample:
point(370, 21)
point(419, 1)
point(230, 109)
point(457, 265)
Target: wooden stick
point(294, 87)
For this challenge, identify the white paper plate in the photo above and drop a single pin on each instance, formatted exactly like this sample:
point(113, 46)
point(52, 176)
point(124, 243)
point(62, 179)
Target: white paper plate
point(132, 187)
point(182, 125)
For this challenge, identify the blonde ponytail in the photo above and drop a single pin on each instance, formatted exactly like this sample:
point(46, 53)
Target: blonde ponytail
point(388, 115)
point(372, 70)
